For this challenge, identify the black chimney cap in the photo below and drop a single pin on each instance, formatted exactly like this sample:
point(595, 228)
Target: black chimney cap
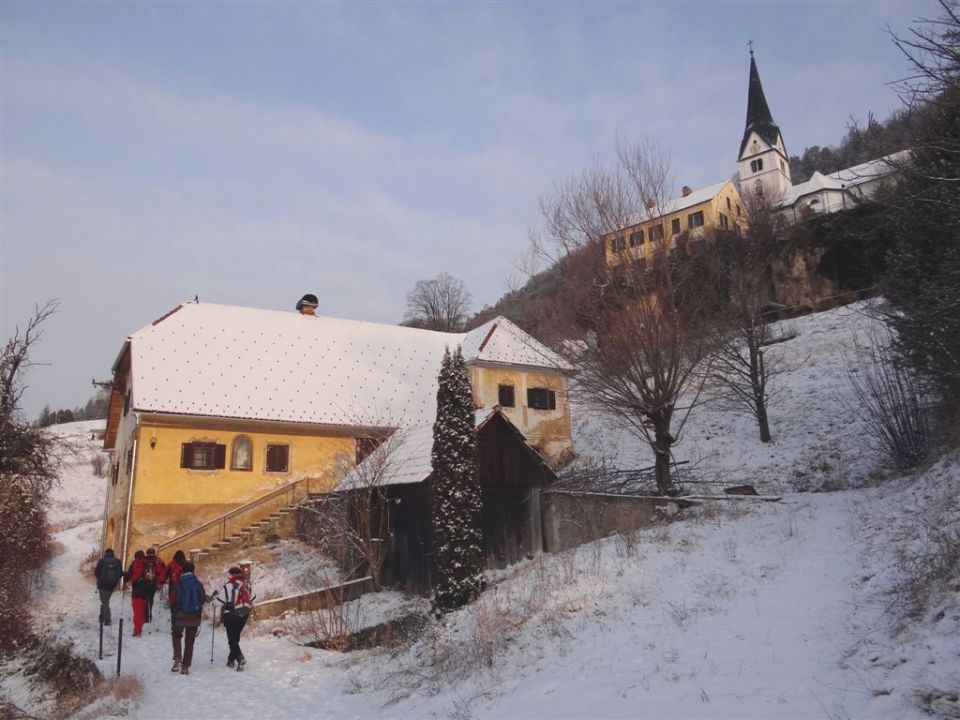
point(308, 299)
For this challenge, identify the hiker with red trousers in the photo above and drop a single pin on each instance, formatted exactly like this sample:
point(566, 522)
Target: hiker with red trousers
point(190, 599)
point(159, 571)
point(236, 604)
point(142, 579)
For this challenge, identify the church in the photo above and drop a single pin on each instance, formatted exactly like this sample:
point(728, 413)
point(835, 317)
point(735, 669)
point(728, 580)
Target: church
point(763, 166)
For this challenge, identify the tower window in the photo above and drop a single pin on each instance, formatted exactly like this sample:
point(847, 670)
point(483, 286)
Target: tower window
point(783, 166)
point(756, 165)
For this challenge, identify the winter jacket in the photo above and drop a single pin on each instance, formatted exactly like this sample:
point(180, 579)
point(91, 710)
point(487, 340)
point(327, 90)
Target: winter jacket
point(236, 597)
point(140, 586)
point(190, 619)
point(173, 573)
point(108, 572)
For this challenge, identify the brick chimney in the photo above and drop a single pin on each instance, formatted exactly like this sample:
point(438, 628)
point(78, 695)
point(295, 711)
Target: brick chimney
point(651, 204)
point(686, 190)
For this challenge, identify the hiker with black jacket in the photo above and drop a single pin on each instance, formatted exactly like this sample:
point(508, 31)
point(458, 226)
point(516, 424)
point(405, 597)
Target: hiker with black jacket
point(109, 573)
point(189, 613)
point(236, 603)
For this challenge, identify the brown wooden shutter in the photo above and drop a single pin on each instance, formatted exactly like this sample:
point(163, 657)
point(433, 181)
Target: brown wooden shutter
point(220, 457)
point(552, 400)
point(284, 457)
point(186, 455)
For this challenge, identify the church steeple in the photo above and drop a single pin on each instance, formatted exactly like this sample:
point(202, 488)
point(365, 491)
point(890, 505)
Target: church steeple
point(763, 156)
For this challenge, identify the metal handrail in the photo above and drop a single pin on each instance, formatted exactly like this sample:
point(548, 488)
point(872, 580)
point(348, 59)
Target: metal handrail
point(222, 519)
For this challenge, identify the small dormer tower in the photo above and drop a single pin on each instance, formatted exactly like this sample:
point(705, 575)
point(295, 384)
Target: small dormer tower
point(763, 160)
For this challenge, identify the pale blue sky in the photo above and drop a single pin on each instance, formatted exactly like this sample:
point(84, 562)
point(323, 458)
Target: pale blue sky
point(250, 153)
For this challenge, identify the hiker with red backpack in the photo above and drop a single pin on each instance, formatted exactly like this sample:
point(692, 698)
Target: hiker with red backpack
point(142, 578)
point(158, 571)
point(236, 603)
point(189, 613)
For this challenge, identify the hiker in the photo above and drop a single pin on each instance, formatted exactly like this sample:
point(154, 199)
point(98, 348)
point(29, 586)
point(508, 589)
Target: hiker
point(142, 579)
point(186, 623)
point(108, 573)
point(236, 603)
point(174, 572)
point(159, 569)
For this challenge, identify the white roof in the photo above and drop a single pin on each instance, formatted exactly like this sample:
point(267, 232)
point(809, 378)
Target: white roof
point(681, 203)
point(871, 170)
point(403, 458)
point(227, 361)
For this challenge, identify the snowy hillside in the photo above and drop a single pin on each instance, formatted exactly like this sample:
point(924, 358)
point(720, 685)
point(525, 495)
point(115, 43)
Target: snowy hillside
point(832, 604)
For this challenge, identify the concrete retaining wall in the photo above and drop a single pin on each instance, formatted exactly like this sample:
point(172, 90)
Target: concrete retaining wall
point(314, 600)
point(574, 518)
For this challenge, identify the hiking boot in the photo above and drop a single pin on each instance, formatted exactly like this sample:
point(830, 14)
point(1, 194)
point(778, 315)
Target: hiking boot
point(176, 666)
point(241, 664)
point(230, 664)
point(185, 670)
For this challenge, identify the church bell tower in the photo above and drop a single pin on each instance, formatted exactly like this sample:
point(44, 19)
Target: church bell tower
point(763, 161)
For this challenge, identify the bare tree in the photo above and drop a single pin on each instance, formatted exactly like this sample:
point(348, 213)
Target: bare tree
point(29, 459)
point(438, 304)
point(644, 336)
point(353, 522)
point(743, 276)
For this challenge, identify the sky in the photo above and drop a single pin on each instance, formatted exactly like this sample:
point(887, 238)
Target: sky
point(249, 153)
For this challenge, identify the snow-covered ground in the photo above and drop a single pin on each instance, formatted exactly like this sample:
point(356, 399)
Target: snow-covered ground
point(739, 609)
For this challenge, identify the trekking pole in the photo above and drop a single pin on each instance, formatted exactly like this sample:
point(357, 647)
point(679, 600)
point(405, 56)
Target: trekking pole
point(213, 629)
point(119, 646)
point(101, 638)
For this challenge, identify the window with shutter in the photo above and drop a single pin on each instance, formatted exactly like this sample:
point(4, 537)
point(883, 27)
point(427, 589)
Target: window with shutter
point(203, 456)
point(278, 458)
point(506, 396)
point(242, 455)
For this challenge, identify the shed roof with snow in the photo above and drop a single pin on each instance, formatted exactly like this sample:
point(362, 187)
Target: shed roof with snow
point(236, 362)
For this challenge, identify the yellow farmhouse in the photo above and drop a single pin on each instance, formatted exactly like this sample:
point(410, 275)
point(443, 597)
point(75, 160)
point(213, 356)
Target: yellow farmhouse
point(217, 407)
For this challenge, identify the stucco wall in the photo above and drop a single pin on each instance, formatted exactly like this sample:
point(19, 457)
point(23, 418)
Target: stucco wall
point(547, 430)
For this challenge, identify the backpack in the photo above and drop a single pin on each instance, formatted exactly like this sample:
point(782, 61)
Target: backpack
point(110, 573)
point(149, 573)
point(189, 595)
point(239, 602)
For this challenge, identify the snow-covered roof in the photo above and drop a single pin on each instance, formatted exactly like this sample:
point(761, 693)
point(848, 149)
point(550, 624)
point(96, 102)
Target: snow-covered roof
point(681, 203)
point(406, 456)
point(817, 183)
point(227, 361)
point(872, 169)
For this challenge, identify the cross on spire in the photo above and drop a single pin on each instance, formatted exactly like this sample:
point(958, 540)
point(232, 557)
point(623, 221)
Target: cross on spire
point(750, 45)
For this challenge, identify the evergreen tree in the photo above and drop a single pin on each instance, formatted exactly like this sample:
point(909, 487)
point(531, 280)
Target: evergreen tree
point(457, 507)
point(46, 418)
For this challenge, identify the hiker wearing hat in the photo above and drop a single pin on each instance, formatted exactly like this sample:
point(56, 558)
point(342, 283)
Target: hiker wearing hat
point(108, 572)
point(236, 598)
point(307, 305)
point(190, 599)
point(159, 570)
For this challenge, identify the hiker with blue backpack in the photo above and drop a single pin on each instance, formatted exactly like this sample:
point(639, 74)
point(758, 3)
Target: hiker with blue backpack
point(236, 603)
point(186, 622)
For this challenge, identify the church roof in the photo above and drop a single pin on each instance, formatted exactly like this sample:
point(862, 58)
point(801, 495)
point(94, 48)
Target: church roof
point(759, 119)
point(237, 362)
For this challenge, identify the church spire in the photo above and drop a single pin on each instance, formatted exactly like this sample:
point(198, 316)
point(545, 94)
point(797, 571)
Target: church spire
point(759, 119)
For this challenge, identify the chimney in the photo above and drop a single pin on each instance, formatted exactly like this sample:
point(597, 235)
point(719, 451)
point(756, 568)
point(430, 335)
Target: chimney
point(686, 190)
point(651, 204)
point(307, 305)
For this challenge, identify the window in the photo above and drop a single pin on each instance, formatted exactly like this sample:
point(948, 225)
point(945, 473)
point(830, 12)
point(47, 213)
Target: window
point(728, 204)
point(656, 233)
point(115, 473)
point(724, 222)
point(782, 166)
point(756, 165)
point(505, 396)
point(129, 461)
point(278, 458)
point(636, 238)
point(242, 456)
point(736, 228)
point(619, 244)
point(675, 226)
point(541, 399)
point(738, 209)
point(203, 456)
point(126, 403)
point(695, 220)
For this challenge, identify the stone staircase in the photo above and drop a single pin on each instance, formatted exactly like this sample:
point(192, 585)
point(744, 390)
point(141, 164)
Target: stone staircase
point(279, 524)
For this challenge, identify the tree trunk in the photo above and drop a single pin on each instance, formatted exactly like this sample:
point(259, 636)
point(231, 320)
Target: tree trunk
point(762, 421)
point(663, 441)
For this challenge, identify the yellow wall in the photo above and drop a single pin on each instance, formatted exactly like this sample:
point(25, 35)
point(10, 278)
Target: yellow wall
point(547, 430)
point(711, 209)
point(169, 500)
